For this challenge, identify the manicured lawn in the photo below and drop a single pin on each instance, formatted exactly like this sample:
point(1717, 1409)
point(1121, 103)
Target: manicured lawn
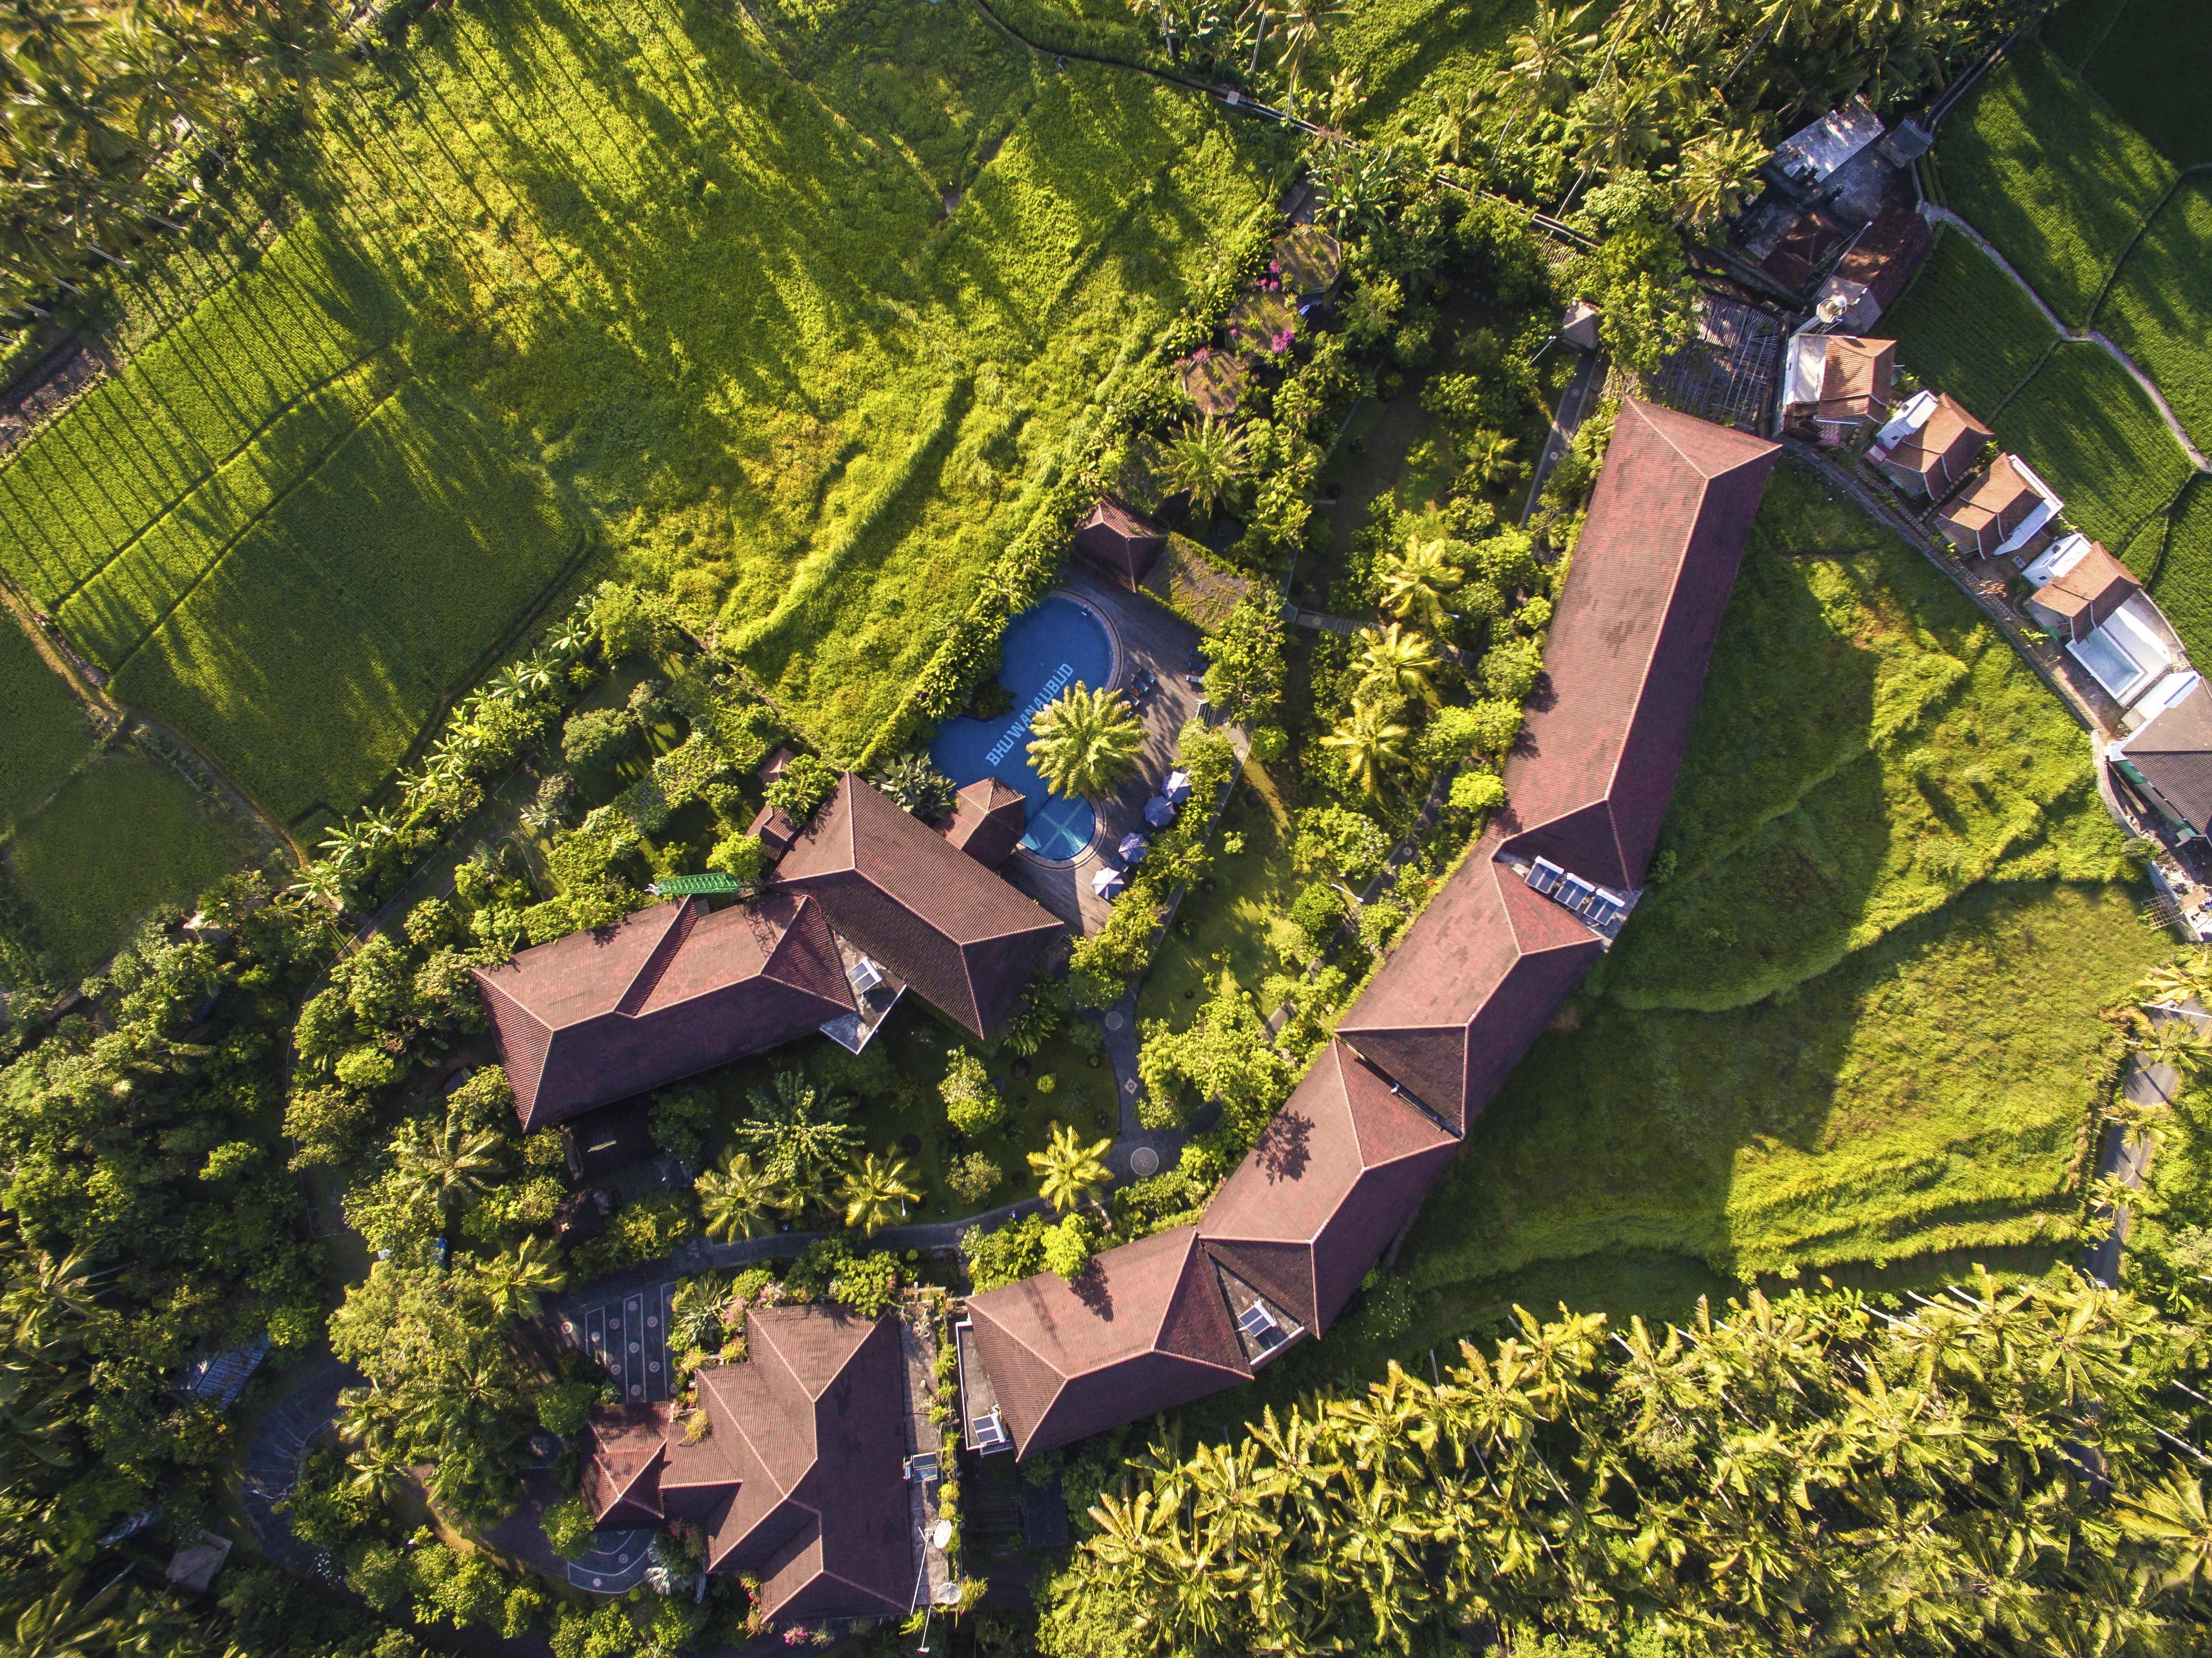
point(121, 837)
point(1229, 931)
point(43, 730)
point(1851, 1027)
point(796, 319)
point(2046, 171)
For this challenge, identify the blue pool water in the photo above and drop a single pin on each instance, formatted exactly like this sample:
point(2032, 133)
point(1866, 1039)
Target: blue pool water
point(1048, 648)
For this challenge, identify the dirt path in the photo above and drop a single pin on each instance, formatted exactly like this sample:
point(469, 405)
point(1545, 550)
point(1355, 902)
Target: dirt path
point(1943, 215)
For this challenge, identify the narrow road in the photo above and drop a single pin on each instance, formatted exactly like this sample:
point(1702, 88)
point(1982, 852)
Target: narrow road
point(1574, 407)
point(1943, 215)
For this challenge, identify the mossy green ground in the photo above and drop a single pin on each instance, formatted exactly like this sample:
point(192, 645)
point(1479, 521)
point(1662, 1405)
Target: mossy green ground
point(44, 734)
point(795, 310)
point(1852, 1026)
point(125, 835)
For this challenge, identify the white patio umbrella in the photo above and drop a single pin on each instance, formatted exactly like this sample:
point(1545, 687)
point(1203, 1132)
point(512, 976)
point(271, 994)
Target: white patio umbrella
point(1176, 789)
point(1132, 848)
point(1159, 811)
point(1109, 883)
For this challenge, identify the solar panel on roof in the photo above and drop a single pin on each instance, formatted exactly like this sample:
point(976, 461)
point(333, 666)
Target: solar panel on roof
point(1545, 876)
point(1259, 1328)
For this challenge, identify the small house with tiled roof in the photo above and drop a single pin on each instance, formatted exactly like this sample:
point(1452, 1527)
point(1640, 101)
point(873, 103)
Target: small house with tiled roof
point(1119, 541)
point(987, 819)
point(1145, 1327)
point(2078, 587)
point(617, 1011)
point(1331, 1181)
point(962, 938)
point(799, 1481)
point(1995, 515)
point(2169, 756)
point(1929, 446)
point(1836, 387)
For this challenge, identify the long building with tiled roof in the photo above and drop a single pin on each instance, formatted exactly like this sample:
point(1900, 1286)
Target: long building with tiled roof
point(601, 1015)
point(1283, 1245)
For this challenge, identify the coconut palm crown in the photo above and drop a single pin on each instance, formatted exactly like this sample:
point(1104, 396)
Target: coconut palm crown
point(1085, 741)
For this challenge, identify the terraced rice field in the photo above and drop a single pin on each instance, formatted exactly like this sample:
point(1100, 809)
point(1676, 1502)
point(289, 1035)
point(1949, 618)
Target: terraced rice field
point(44, 734)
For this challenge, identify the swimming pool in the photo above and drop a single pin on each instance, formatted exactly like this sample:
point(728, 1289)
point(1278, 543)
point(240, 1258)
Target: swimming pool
point(1048, 648)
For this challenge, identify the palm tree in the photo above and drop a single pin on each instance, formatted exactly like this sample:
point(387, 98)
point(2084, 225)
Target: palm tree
point(1415, 580)
point(1718, 172)
point(871, 1189)
point(802, 1138)
point(1490, 460)
point(1085, 741)
point(917, 786)
point(519, 1279)
point(1547, 58)
point(445, 1168)
point(1395, 667)
point(1371, 743)
point(736, 1199)
point(1207, 459)
point(1069, 1173)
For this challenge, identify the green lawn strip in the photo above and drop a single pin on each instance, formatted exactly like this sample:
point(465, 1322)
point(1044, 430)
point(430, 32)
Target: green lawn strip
point(2182, 567)
point(44, 734)
point(2043, 167)
point(123, 836)
point(2160, 308)
point(1808, 1048)
point(2153, 65)
point(1229, 926)
point(1963, 326)
point(134, 448)
point(1404, 50)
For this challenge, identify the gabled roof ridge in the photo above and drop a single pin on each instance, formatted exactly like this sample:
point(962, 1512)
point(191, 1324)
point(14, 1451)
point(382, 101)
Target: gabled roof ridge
point(1666, 430)
point(666, 949)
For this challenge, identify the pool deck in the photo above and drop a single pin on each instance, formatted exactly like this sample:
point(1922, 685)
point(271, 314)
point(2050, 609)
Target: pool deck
point(1146, 635)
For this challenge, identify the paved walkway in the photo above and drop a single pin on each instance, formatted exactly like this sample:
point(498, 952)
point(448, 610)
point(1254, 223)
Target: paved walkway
point(2078, 337)
point(273, 1459)
point(2126, 1155)
point(1575, 404)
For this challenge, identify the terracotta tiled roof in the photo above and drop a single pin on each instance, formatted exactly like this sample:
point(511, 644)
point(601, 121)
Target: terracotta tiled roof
point(604, 1014)
point(2173, 753)
point(800, 1481)
point(1119, 541)
point(1883, 257)
point(622, 1475)
point(1341, 1168)
point(989, 821)
point(1144, 1329)
point(961, 937)
point(1475, 980)
point(1934, 457)
point(1855, 375)
point(2089, 592)
point(1630, 641)
point(1982, 515)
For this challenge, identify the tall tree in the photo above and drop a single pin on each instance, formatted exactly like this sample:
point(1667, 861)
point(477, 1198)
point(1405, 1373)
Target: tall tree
point(1085, 741)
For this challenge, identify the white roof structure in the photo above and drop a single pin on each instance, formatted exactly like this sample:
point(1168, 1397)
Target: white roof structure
point(2055, 560)
point(2129, 653)
point(1813, 152)
point(2040, 514)
point(1911, 416)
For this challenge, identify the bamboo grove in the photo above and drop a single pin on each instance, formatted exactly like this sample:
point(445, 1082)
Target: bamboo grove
point(1992, 1469)
point(113, 115)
